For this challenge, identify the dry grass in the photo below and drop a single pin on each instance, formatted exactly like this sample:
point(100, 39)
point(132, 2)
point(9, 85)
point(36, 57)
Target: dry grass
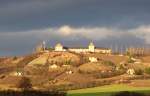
point(140, 83)
point(114, 58)
point(94, 67)
point(146, 59)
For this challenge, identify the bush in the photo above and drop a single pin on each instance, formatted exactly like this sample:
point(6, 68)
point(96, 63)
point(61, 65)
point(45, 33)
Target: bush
point(15, 58)
point(109, 74)
point(109, 63)
point(147, 70)
point(68, 62)
point(31, 93)
point(130, 60)
point(139, 72)
point(122, 66)
point(24, 83)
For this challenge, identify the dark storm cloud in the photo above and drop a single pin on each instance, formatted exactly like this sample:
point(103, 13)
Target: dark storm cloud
point(31, 14)
point(104, 18)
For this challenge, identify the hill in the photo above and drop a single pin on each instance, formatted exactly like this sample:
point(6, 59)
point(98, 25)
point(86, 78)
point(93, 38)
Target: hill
point(67, 70)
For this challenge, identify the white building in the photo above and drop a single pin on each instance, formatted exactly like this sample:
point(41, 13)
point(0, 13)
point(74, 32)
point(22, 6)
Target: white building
point(91, 48)
point(59, 47)
point(103, 50)
point(93, 59)
point(54, 66)
point(130, 71)
point(78, 50)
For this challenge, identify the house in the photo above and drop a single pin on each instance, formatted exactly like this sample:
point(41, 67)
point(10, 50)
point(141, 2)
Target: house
point(54, 66)
point(59, 47)
point(93, 59)
point(16, 73)
point(69, 72)
point(130, 71)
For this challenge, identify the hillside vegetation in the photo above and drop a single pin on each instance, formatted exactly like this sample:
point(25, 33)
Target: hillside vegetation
point(68, 70)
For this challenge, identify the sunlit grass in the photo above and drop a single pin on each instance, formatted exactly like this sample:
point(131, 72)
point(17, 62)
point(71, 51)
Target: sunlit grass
point(106, 89)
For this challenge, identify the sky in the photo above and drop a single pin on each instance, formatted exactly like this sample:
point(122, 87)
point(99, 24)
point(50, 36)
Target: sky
point(26, 23)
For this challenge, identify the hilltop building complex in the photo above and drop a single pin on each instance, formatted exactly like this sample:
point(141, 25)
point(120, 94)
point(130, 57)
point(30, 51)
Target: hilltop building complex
point(91, 48)
point(60, 48)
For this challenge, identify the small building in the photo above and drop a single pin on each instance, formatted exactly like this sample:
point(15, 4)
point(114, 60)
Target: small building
point(93, 59)
point(130, 71)
point(54, 66)
point(59, 47)
point(16, 73)
point(69, 72)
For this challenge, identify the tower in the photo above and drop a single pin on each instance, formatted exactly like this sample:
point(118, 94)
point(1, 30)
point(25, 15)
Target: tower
point(59, 47)
point(44, 45)
point(91, 47)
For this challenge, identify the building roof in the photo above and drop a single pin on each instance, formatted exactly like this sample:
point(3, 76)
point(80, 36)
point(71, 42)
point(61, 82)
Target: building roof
point(77, 47)
point(58, 45)
point(102, 48)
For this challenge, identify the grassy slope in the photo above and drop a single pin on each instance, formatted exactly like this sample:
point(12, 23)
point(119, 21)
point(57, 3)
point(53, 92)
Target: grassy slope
point(106, 90)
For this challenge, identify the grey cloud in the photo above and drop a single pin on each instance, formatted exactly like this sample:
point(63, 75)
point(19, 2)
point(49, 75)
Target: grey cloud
point(32, 14)
point(24, 42)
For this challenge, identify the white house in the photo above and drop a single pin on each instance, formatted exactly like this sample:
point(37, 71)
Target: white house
point(93, 59)
point(59, 47)
point(17, 73)
point(54, 66)
point(130, 71)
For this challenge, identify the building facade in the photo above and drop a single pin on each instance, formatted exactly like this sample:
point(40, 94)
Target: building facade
point(91, 48)
point(59, 47)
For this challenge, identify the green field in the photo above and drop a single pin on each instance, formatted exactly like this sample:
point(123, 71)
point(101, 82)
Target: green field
point(107, 90)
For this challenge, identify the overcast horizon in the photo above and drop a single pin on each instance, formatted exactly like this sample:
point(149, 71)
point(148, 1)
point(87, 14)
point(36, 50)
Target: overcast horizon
point(25, 23)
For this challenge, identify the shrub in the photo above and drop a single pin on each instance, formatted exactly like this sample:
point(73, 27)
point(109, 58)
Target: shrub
point(31, 93)
point(130, 60)
point(126, 93)
point(15, 58)
point(68, 62)
point(122, 66)
point(109, 63)
point(147, 70)
point(139, 72)
point(109, 74)
point(50, 78)
point(24, 83)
